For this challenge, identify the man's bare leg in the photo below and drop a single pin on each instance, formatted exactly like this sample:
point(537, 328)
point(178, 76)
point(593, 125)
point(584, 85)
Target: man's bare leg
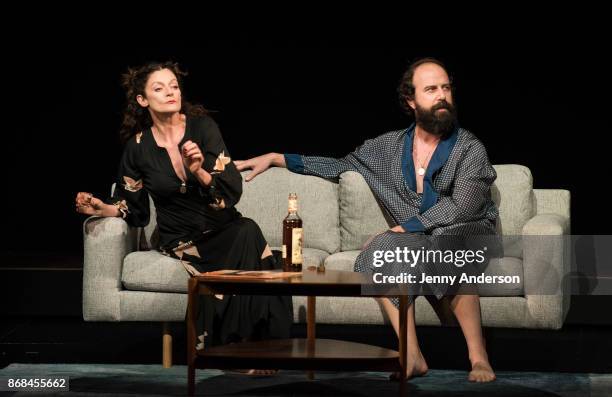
point(467, 312)
point(416, 365)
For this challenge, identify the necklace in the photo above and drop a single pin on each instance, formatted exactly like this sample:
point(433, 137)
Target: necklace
point(421, 169)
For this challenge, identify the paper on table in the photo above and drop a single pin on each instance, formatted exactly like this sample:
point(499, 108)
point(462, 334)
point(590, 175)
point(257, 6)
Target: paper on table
point(254, 274)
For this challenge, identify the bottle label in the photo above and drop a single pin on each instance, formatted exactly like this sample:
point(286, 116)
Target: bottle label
point(293, 207)
point(296, 245)
point(284, 251)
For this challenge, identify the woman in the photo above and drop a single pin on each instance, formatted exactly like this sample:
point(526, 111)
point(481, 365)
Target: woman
point(175, 154)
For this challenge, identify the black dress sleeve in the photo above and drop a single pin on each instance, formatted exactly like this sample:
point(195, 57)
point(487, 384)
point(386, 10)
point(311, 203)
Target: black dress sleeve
point(129, 195)
point(225, 188)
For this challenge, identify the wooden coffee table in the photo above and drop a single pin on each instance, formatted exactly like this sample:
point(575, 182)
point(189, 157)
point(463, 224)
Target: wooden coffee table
point(298, 353)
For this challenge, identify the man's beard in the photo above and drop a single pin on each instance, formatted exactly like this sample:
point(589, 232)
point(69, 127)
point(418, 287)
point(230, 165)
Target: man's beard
point(440, 124)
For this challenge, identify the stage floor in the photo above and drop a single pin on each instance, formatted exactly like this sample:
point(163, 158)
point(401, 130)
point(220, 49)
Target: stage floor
point(39, 340)
point(153, 380)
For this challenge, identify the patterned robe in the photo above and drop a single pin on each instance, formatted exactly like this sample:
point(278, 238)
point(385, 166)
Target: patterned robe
point(456, 198)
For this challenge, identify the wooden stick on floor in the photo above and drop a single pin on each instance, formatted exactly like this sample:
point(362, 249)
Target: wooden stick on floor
point(167, 345)
point(192, 309)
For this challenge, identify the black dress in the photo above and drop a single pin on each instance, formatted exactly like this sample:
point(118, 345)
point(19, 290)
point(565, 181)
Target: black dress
point(201, 226)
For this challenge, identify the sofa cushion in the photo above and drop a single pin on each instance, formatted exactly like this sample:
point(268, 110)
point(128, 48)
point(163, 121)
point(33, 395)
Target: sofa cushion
point(151, 271)
point(513, 194)
point(360, 214)
point(344, 260)
point(265, 199)
point(507, 266)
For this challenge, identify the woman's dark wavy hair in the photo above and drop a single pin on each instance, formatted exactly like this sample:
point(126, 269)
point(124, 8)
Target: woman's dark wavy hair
point(405, 90)
point(135, 117)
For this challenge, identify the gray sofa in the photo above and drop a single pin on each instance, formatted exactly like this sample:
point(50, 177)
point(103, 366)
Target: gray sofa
point(121, 283)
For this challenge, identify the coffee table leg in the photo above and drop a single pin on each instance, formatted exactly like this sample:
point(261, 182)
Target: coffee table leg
point(192, 310)
point(403, 334)
point(310, 327)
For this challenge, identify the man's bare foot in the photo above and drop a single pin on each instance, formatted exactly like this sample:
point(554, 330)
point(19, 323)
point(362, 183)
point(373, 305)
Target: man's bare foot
point(417, 366)
point(481, 372)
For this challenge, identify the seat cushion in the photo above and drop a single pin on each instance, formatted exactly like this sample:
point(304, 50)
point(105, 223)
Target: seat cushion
point(507, 266)
point(151, 271)
point(344, 260)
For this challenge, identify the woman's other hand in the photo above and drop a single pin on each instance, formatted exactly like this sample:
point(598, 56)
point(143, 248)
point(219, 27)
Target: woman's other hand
point(87, 204)
point(192, 156)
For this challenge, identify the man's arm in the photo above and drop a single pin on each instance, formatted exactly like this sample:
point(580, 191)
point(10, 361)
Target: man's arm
point(324, 167)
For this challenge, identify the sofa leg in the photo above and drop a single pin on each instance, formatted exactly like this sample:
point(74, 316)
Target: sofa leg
point(167, 346)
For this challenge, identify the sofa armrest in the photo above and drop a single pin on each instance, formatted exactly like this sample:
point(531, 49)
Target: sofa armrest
point(546, 248)
point(106, 242)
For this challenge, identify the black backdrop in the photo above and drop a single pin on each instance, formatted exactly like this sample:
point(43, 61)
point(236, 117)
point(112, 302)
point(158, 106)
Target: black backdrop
point(537, 98)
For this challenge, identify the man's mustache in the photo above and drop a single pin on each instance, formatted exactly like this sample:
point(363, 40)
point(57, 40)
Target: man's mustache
point(441, 105)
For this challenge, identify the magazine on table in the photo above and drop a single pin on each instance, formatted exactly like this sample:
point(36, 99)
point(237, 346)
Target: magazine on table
point(250, 274)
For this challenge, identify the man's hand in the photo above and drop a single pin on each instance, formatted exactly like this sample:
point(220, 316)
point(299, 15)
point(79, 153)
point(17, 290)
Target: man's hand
point(192, 156)
point(260, 164)
point(395, 229)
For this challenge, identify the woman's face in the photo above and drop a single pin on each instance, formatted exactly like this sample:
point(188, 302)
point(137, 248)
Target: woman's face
point(162, 93)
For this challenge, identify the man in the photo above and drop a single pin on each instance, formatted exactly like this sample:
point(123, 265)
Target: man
point(433, 179)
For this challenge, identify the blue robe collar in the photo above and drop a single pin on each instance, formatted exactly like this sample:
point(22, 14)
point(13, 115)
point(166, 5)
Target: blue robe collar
point(438, 159)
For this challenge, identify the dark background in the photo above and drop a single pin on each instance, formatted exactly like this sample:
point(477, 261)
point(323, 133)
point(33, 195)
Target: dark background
point(536, 98)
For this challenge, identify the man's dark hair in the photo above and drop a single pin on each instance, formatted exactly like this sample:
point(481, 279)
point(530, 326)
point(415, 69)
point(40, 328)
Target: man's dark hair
point(405, 90)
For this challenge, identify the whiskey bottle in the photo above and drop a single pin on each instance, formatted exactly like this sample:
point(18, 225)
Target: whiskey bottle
point(293, 238)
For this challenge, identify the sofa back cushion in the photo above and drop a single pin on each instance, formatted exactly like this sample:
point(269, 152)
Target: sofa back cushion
point(265, 199)
point(360, 214)
point(513, 194)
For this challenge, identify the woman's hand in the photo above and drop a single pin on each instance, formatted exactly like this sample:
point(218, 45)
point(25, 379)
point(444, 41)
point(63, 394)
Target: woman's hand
point(260, 164)
point(192, 156)
point(87, 204)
